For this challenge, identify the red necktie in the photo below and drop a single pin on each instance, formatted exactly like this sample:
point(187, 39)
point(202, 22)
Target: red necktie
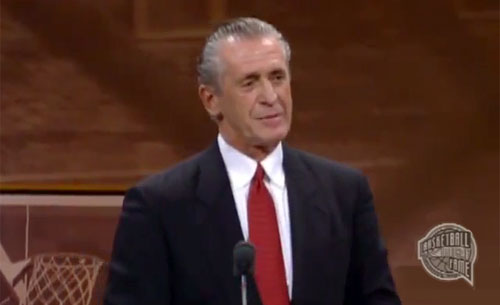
point(264, 234)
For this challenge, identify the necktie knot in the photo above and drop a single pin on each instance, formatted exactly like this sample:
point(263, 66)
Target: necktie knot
point(259, 173)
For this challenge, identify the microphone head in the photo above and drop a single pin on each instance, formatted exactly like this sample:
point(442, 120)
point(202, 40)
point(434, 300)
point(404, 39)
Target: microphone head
point(243, 258)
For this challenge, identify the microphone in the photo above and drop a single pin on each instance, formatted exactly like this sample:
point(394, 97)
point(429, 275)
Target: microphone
point(243, 265)
point(244, 258)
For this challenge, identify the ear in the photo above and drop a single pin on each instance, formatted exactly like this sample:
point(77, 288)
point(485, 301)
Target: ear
point(210, 100)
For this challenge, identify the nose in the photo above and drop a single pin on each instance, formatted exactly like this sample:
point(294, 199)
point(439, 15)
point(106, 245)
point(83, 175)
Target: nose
point(268, 92)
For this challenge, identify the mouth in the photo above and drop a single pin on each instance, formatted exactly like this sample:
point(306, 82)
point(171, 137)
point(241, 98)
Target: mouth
point(270, 116)
point(272, 120)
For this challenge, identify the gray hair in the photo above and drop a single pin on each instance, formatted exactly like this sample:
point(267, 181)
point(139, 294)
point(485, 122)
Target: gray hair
point(244, 27)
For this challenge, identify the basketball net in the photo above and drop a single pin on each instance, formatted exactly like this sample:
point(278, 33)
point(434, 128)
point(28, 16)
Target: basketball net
point(62, 279)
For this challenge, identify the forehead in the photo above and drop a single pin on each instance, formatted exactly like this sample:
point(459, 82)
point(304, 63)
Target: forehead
point(244, 55)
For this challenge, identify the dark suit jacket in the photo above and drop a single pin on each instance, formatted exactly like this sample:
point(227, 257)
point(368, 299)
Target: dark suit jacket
point(177, 230)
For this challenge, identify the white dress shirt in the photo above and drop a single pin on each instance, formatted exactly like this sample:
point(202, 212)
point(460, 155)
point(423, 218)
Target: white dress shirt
point(241, 169)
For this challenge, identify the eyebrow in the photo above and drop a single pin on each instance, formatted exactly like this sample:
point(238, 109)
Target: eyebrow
point(277, 71)
point(250, 76)
point(256, 76)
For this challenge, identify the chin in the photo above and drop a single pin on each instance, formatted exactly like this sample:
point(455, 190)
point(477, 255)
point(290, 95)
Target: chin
point(274, 139)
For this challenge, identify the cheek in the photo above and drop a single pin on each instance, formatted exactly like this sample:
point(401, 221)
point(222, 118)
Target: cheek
point(246, 104)
point(285, 91)
point(286, 98)
point(239, 107)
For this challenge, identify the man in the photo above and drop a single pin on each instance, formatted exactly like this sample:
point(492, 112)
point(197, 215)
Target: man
point(312, 220)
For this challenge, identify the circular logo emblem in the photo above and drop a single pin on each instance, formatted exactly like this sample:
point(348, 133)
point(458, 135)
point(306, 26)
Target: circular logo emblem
point(448, 252)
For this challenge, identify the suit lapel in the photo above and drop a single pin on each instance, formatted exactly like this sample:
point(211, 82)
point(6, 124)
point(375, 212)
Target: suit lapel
point(218, 220)
point(307, 216)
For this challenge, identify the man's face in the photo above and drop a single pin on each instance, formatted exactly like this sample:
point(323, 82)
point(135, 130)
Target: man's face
point(255, 98)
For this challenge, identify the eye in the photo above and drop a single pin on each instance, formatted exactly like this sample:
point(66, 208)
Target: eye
point(248, 83)
point(278, 77)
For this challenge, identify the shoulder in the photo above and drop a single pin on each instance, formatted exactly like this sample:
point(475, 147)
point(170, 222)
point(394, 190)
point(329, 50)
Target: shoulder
point(343, 181)
point(322, 166)
point(333, 179)
point(173, 181)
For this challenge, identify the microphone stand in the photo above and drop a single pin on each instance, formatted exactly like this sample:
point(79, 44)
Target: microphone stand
point(243, 289)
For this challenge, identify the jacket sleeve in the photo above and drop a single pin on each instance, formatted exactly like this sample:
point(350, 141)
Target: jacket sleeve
point(369, 279)
point(139, 269)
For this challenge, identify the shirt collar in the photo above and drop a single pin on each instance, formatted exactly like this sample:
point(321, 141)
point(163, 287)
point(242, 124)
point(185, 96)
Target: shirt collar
point(241, 168)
